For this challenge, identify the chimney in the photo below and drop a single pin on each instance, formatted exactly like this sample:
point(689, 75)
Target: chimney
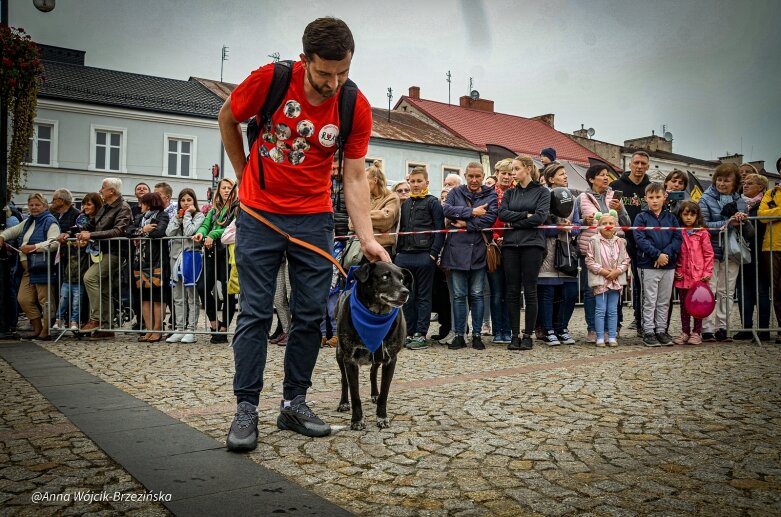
point(546, 119)
point(478, 104)
point(582, 132)
point(736, 158)
point(414, 92)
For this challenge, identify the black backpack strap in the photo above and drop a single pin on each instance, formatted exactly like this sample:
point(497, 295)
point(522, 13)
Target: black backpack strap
point(280, 81)
point(347, 97)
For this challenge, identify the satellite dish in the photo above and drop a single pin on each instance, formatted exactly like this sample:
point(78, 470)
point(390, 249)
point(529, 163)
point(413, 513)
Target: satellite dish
point(668, 136)
point(591, 132)
point(474, 95)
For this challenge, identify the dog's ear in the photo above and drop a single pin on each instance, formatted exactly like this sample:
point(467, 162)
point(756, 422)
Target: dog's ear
point(362, 273)
point(409, 281)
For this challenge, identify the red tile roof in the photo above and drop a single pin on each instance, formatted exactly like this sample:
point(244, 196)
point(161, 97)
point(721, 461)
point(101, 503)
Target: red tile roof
point(521, 135)
point(407, 127)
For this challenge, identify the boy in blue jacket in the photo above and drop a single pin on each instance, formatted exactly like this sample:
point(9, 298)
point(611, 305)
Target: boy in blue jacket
point(657, 255)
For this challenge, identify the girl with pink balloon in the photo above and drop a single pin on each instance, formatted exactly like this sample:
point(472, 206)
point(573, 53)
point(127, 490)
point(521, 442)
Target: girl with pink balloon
point(692, 274)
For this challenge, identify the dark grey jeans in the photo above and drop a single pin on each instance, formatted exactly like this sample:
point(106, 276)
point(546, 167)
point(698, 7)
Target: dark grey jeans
point(258, 256)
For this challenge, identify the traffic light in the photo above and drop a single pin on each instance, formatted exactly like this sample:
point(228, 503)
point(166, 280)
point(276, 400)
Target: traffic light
point(215, 171)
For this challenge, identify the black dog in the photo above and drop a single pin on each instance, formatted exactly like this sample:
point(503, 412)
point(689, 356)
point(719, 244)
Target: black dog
point(380, 287)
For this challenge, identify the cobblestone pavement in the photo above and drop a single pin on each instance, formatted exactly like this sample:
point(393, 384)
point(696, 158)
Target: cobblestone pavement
point(42, 452)
point(570, 430)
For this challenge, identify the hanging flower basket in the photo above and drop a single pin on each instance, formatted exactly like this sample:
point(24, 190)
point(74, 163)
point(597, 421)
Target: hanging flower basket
point(21, 73)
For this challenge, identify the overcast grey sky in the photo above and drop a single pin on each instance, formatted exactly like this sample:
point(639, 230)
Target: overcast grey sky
point(708, 69)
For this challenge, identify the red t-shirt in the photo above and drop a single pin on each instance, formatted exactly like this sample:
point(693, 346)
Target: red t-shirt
point(298, 147)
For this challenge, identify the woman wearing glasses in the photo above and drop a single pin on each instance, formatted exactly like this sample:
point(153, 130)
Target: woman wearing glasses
point(402, 190)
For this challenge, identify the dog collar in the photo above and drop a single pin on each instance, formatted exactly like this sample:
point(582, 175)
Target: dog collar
point(372, 328)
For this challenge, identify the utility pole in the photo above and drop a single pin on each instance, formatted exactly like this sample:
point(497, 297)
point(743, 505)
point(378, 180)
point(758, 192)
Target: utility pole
point(225, 51)
point(390, 96)
point(448, 85)
point(274, 56)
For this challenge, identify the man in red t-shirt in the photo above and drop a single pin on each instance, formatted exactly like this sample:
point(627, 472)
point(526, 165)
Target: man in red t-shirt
point(293, 156)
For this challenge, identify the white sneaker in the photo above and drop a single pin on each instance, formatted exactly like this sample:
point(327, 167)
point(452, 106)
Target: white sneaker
point(600, 344)
point(612, 343)
point(189, 338)
point(486, 329)
point(74, 325)
point(448, 339)
point(175, 338)
point(58, 325)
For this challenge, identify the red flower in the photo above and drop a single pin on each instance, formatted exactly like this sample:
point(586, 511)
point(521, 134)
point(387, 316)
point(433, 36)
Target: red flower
point(12, 83)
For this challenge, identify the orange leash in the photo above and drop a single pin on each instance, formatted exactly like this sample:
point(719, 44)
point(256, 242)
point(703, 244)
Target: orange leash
point(294, 240)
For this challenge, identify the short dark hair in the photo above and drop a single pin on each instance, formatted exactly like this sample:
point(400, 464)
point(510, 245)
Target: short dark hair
point(329, 38)
point(592, 172)
point(677, 173)
point(94, 198)
point(641, 153)
point(153, 200)
point(691, 206)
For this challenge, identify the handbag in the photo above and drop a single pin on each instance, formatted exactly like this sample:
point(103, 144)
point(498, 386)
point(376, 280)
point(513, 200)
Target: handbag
point(353, 254)
point(566, 257)
point(737, 248)
point(493, 254)
point(37, 263)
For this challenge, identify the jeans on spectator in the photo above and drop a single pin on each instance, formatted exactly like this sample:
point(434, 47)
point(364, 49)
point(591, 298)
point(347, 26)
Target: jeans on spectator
point(606, 314)
point(522, 268)
point(259, 252)
point(70, 302)
point(467, 284)
point(500, 316)
point(562, 296)
point(417, 310)
point(589, 304)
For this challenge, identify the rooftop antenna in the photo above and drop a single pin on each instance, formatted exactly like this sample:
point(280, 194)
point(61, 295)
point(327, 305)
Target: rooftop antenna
point(448, 85)
point(666, 134)
point(225, 50)
point(274, 56)
point(390, 96)
point(470, 85)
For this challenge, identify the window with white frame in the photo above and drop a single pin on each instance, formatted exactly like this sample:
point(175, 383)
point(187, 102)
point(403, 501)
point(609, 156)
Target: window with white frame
point(446, 170)
point(412, 165)
point(108, 149)
point(179, 156)
point(369, 162)
point(43, 144)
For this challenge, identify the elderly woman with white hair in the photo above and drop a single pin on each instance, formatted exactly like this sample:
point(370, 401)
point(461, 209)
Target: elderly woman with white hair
point(36, 239)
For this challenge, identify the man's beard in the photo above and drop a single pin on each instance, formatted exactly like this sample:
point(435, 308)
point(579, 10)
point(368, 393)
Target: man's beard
point(325, 93)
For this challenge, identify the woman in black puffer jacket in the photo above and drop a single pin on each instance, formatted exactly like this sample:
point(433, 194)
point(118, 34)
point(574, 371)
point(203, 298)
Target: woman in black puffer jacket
point(523, 208)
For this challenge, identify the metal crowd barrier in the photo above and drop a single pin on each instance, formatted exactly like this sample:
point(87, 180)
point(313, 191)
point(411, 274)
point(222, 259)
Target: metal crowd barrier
point(127, 284)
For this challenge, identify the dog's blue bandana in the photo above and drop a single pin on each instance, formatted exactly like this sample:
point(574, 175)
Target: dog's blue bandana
point(372, 328)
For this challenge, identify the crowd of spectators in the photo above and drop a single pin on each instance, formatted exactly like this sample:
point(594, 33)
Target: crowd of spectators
point(69, 260)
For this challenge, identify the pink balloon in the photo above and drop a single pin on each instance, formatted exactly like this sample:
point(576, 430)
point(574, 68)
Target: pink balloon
point(699, 301)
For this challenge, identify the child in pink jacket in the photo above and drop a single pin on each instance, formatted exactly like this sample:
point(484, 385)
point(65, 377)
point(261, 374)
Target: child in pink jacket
point(695, 264)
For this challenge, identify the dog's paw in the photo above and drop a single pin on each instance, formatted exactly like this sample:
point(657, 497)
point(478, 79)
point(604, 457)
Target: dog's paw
point(383, 423)
point(374, 398)
point(358, 426)
point(343, 407)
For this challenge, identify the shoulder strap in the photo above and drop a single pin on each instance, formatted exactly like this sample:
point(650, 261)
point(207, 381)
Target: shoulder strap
point(347, 97)
point(280, 81)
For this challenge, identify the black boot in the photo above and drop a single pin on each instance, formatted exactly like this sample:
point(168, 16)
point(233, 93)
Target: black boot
point(515, 344)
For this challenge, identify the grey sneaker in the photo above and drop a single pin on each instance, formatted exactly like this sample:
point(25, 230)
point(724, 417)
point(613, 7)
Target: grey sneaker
point(243, 434)
point(664, 338)
point(649, 339)
point(299, 418)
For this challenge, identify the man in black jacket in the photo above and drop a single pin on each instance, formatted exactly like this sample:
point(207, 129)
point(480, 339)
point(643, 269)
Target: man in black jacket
point(632, 184)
